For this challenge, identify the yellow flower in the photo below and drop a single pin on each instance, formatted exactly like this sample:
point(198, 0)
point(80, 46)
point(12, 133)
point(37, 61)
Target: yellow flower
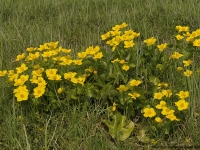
point(176, 55)
point(183, 94)
point(158, 119)
point(166, 111)
point(134, 95)
point(77, 62)
point(187, 73)
point(82, 55)
point(135, 82)
point(54, 77)
point(149, 112)
point(38, 91)
point(65, 61)
point(98, 55)
point(128, 44)
point(116, 60)
point(20, 57)
point(43, 47)
point(33, 56)
point(161, 47)
point(172, 117)
point(162, 84)
point(114, 106)
point(187, 62)
point(60, 90)
point(182, 28)
point(161, 105)
point(105, 36)
point(52, 45)
point(179, 68)
point(125, 67)
point(21, 96)
point(47, 54)
point(179, 37)
point(158, 95)
point(51, 72)
point(167, 93)
point(122, 61)
point(3, 73)
point(22, 68)
point(69, 75)
point(31, 49)
point(122, 88)
point(182, 105)
point(150, 41)
point(123, 25)
point(196, 42)
point(22, 79)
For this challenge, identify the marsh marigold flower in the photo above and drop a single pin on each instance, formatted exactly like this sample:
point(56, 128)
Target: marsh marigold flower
point(38, 91)
point(150, 41)
point(183, 94)
point(22, 68)
point(161, 105)
point(134, 95)
point(135, 82)
point(179, 37)
point(158, 95)
point(3, 73)
point(149, 112)
point(125, 67)
point(182, 105)
point(167, 111)
point(98, 55)
point(176, 55)
point(179, 68)
point(187, 73)
point(128, 44)
point(187, 62)
point(161, 47)
point(158, 119)
point(122, 88)
point(172, 117)
point(196, 42)
point(20, 57)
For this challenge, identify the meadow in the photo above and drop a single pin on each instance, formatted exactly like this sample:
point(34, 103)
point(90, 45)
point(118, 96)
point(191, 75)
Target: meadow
point(76, 25)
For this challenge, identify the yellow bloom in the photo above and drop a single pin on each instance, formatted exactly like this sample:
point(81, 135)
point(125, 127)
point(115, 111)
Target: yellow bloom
point(65, 61)
point(135, 82)
point(98, 55)
point(122, 88)
point(167, 93)
point(196, 42)
point(20, 57)
point(128, 44)
point(158, 95)
point(60, 90)
point(38, 91)
point(123, 25)
point(176, 55)
point(54, 77)
point(179, 68)
point(162, 84)
point(31, 49)
point(158, 119)
point(69, 75)
point(122, 61)
point(172, 117)
point(149, 112)
point(187, 62)
point(3, 73)
point(51, 72)
point(161, 47)
point(116, 60)
point(22, 79)
point(161, 105)
point(182, 28)
point(22, 68)
point(82, 55)
point(114, 106)
point(179, 37)
point(183, 94)
point(182, 105)
point(33, 56)
point(105, 36)
point(134, 95)
point(37, 72)
point(150, 41)
point(21, 96)
point(77, 62)
point(125, 67)
point(187, 73)
point(47, 54)
point(166, 111)
point(43, 47)
point(52, 45)
point(64, 50)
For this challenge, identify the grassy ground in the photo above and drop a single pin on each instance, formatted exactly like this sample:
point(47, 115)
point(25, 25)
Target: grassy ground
point(77, 24)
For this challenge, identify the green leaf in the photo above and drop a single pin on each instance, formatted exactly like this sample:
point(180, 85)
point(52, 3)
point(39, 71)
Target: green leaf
point(142, 137)
point(126, 132)
point(106, 89)
point(154, 80)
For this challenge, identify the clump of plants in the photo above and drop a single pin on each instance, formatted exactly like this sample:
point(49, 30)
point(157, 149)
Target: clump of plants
point(133, 79)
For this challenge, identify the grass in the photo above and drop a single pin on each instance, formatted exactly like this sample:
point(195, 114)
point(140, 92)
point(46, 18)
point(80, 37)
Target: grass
point(77, 25)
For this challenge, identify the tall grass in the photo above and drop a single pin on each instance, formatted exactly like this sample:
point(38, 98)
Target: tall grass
point(77, 24)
